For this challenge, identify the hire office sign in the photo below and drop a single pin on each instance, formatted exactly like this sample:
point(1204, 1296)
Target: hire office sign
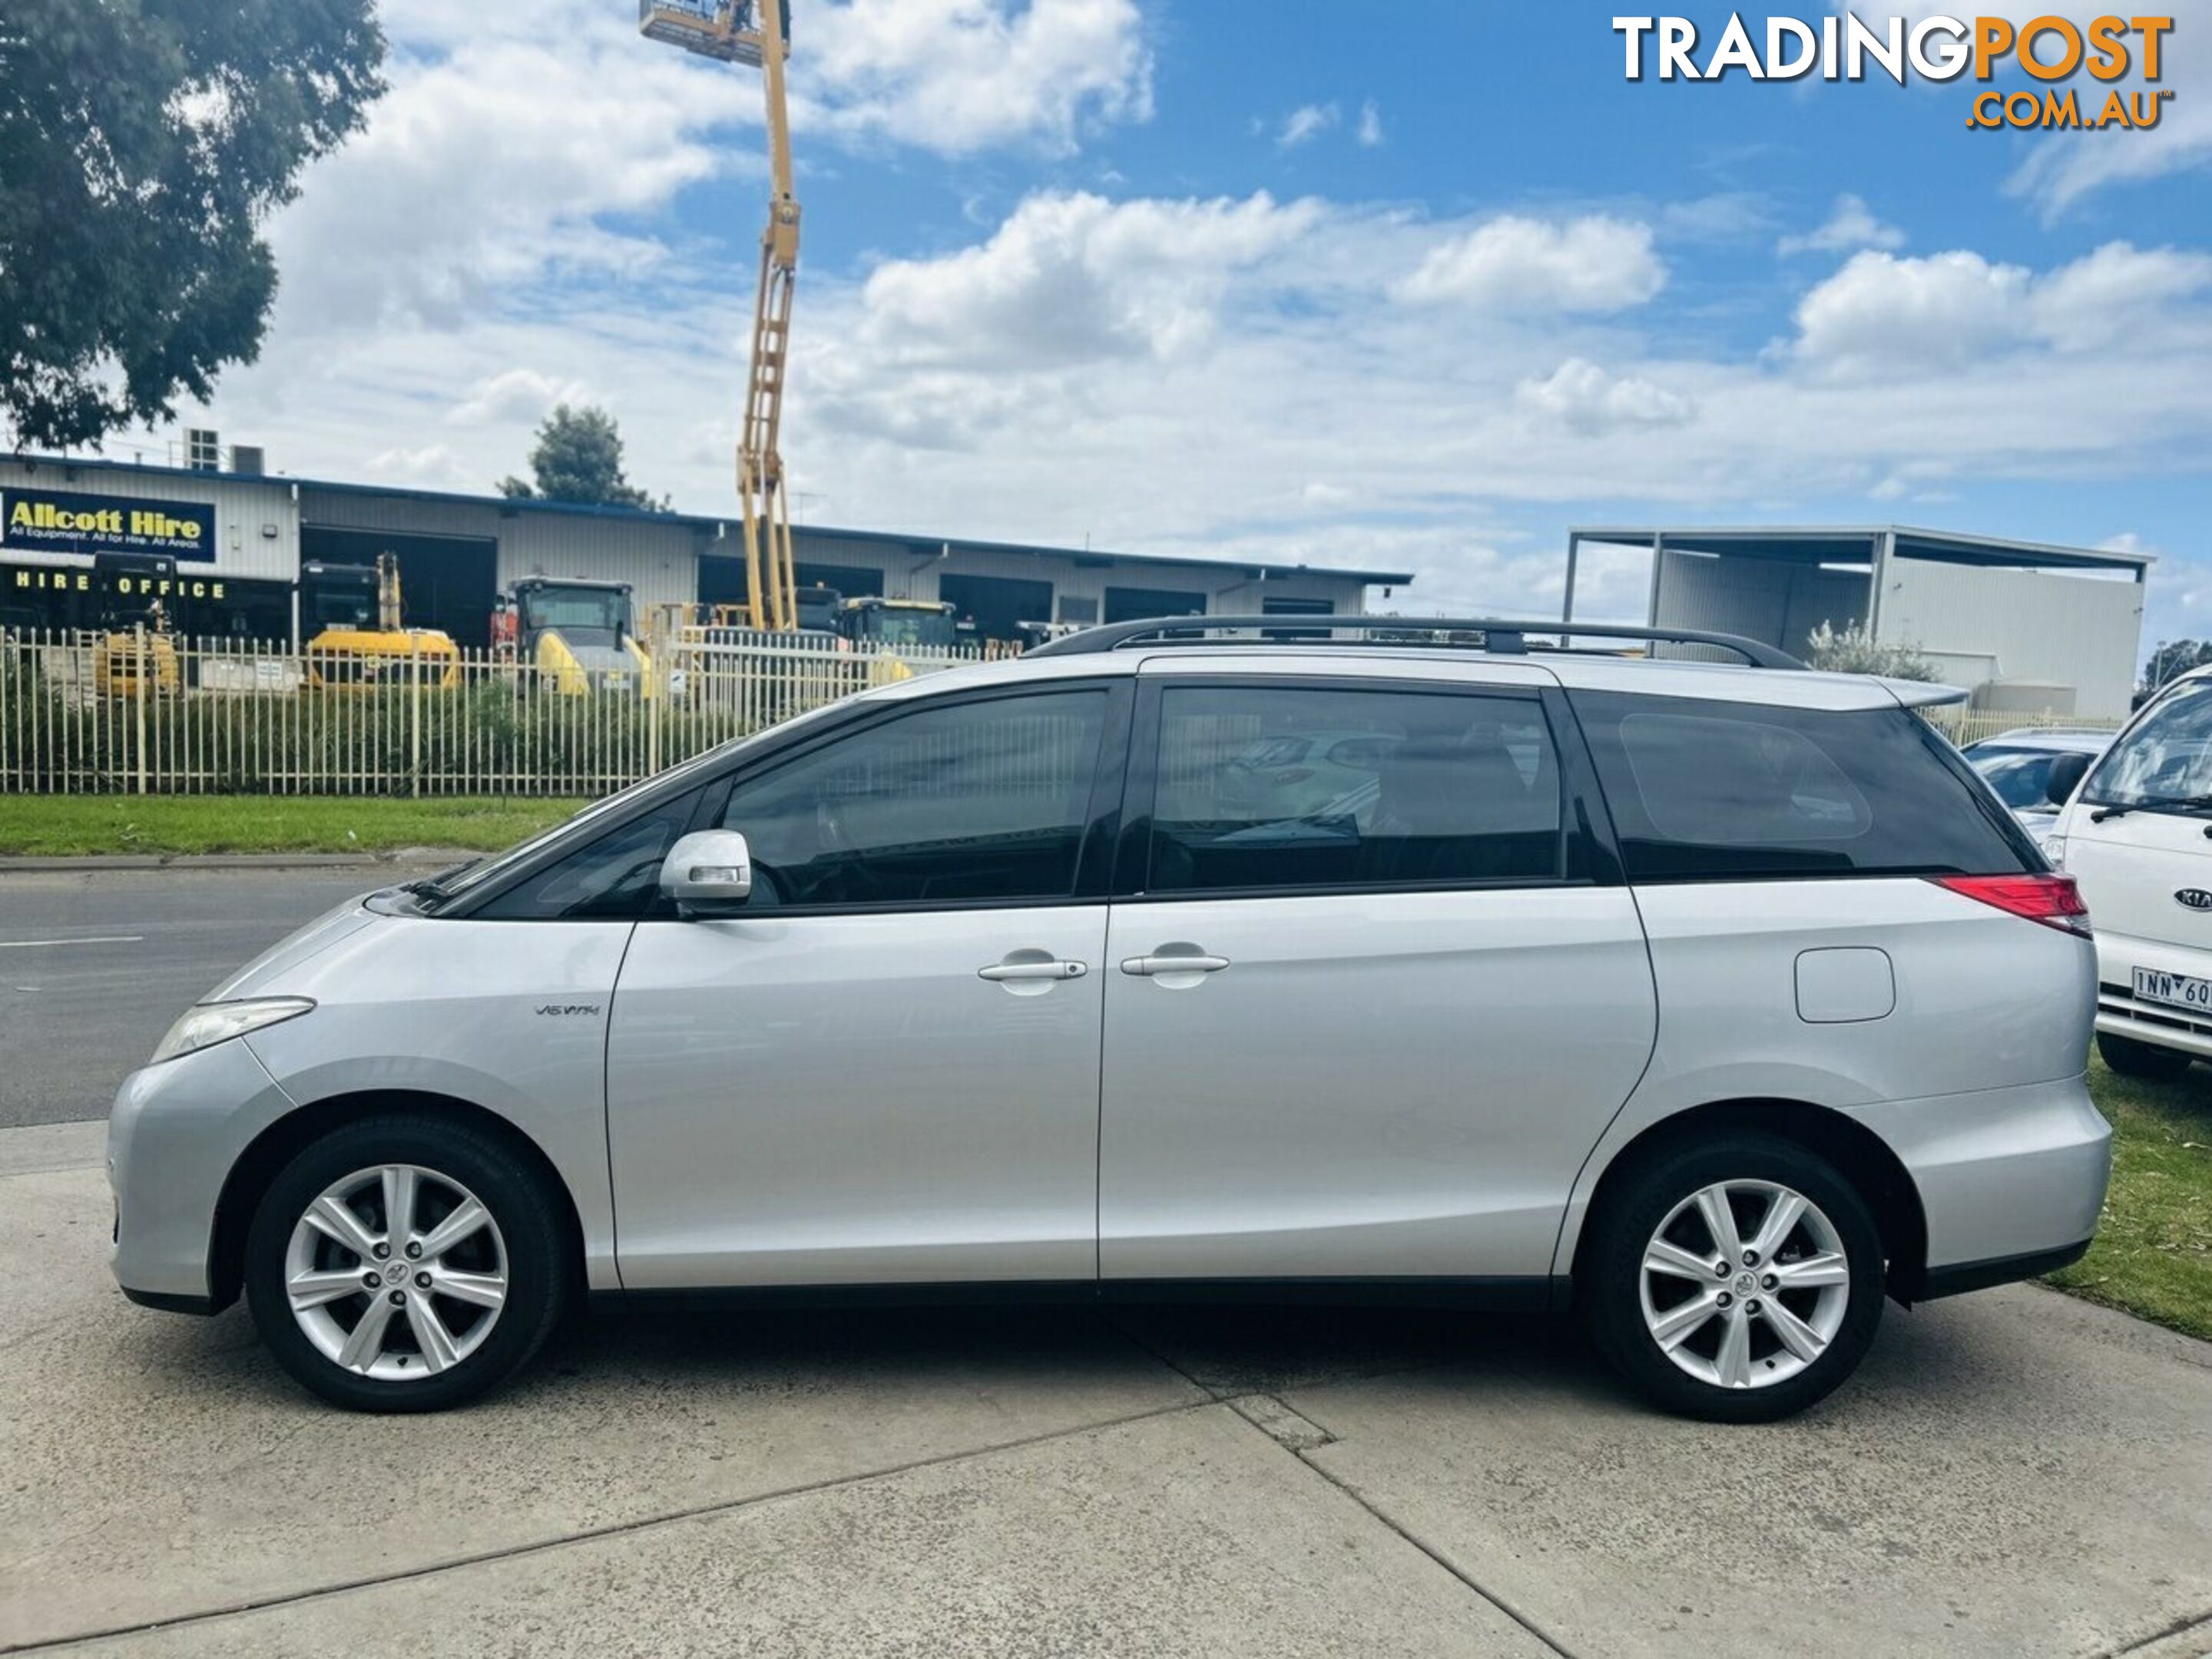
point(65, 521)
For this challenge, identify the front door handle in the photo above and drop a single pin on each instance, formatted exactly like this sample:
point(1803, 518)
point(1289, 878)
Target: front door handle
point(1001, 972)
point(1149, 967)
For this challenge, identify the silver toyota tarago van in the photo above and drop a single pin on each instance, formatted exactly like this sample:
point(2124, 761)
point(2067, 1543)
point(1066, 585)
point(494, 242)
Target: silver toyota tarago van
point(1712, 1001)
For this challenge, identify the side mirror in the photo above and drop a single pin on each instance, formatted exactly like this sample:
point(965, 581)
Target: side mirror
point(2065, 777)
point(709, 873)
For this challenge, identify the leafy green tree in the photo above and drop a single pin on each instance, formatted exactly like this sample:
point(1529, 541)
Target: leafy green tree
point(2172, 657)
point(143, 143)
point(579, 458)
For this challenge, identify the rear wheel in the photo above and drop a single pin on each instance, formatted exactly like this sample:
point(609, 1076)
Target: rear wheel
point(1738, 1280)
point(2131, 1057)
point(405, 1264)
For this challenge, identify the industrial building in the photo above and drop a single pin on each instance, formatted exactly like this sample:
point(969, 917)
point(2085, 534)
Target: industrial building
point(2023, 626)
point(222, 549)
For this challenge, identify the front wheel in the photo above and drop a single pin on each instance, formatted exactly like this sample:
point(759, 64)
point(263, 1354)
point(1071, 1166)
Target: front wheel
point(1737, 1280)
point(405, 1263)
point(2131, 1057)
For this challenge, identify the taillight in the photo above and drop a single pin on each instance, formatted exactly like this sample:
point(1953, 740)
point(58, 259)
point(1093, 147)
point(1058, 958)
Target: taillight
point(2048, 897)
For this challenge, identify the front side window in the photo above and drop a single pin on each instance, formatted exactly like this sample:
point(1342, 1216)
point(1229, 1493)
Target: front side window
point(1707, 790)
point(980, 802)
point(612, 878)
point(1276, 787)
point(2165, 760)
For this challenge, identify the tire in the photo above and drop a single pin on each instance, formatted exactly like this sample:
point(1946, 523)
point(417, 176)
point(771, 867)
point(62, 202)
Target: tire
point(468, 1347)
point(1623, 1305)
point(2132, 1057)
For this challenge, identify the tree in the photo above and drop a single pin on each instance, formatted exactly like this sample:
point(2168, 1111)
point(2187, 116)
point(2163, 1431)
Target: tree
point(143, 142)
point(2173, 657)
point(1854, 650)
point(579, 458)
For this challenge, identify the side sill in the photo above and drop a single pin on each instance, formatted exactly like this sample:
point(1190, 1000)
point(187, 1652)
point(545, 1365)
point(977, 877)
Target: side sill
point(1965, 1276)
point(172, 1301)
point(1533, 1293)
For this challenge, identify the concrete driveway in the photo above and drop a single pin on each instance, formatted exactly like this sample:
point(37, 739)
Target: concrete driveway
point(2014, 1474)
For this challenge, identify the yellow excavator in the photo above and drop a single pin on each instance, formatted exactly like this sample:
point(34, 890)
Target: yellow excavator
point(756, 33)
point(360, 641)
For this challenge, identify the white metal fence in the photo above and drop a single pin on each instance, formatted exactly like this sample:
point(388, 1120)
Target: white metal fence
point(1963, 724)
point(89, 713)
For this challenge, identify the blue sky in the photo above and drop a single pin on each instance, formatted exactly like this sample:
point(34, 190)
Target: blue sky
point(1413, 286)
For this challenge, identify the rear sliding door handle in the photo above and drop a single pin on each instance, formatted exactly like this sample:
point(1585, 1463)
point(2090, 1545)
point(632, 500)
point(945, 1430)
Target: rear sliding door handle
point(1001, 972)
point(1147, 966)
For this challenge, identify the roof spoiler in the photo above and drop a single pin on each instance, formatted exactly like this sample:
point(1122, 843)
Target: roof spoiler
point(1923, 694)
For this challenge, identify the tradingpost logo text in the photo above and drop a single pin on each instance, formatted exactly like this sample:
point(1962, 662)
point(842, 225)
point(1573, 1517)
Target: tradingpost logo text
point(2050, 49)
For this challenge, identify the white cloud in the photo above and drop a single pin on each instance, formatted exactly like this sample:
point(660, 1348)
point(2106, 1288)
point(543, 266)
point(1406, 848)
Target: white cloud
point(1851, 226)
point(1584, 397)
point(479, 171)
point(1590, 265)
point(1878, 310)
point(520, 139)
point(1370, 133)
point(1236, 378)
point(2063, 170)
point(518, 394)
point(429, 466)
point(1881, 314)
point(1074, 277)
point(1307, 122)
point(961, 75)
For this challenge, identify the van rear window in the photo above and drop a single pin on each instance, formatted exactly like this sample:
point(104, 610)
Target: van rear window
point(1710, 791)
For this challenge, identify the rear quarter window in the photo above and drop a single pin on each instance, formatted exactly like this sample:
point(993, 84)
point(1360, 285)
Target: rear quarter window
point(1709, 791)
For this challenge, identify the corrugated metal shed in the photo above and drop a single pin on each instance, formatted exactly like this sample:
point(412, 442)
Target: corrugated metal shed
point(1988, 612)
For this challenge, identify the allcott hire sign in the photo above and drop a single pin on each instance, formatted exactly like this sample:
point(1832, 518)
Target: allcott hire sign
point(64, 521)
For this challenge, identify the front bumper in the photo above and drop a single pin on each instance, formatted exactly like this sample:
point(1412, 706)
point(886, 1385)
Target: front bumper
point(2011, 1180)
point(173, 1135)
point(2120, 1013)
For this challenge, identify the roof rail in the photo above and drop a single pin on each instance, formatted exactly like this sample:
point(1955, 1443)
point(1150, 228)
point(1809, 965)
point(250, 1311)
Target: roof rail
point(1500, 637)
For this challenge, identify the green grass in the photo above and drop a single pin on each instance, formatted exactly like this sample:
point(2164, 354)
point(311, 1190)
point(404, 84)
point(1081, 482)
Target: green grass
point(2153, 1257)
point(59, 826)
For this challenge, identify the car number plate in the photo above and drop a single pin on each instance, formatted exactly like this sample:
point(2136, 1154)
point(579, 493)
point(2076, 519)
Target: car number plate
point(2174, 990)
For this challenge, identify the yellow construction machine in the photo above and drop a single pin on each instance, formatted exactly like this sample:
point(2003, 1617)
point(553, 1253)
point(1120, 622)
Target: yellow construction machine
point(756, 33)
point(117, 670)
point(132, 651)
point(360, 641)
point(582, 636)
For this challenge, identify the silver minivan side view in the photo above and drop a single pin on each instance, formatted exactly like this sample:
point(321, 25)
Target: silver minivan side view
point(1176, 960)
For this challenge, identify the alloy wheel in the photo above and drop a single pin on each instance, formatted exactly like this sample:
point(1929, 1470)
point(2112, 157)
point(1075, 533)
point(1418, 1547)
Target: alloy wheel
point(397, 1272)
point(1744, 1284)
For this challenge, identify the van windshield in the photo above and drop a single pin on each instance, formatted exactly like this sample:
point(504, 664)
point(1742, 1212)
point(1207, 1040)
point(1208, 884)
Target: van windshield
point(2165, 763)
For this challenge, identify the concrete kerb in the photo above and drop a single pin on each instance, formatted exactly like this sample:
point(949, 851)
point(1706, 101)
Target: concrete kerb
point(404, 857)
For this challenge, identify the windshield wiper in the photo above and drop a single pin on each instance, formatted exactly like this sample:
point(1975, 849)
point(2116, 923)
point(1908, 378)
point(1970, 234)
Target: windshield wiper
point(2153, 804)
point(434, 888)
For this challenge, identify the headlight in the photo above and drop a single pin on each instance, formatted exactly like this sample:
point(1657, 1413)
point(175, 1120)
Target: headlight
point(218, 1022)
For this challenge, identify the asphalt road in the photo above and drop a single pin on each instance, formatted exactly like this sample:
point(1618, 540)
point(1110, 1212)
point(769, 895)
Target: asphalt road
point(93, 966)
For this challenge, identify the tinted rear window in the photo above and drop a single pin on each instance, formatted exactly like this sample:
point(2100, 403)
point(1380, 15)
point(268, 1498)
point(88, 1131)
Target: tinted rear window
point(1703, 791)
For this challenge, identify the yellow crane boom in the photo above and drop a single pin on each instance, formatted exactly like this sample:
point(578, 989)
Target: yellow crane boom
point(753, 32)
